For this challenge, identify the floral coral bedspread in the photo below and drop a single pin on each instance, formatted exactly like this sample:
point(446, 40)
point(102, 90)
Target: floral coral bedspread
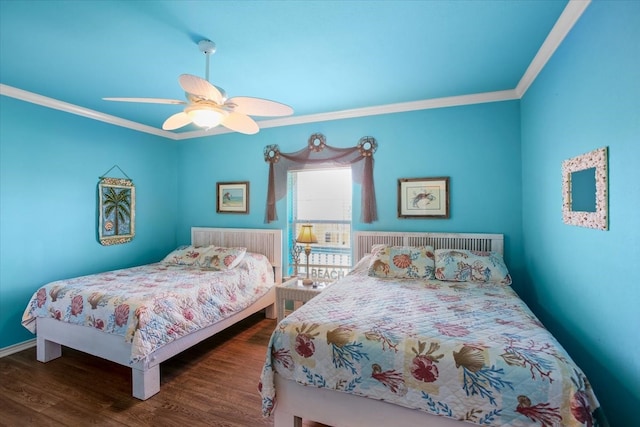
point(468, 351)
point(153, 304)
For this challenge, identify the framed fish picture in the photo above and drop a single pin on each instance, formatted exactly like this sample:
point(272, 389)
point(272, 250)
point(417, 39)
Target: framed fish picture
point(423, 197)
point(233, 197)
point(116, 211)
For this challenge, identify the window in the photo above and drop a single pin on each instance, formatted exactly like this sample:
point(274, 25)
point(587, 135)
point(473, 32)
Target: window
point(321, 197)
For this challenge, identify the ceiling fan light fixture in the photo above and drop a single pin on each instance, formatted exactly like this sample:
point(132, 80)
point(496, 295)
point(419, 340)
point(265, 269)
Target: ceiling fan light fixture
point(206, 116)
point(208, 105)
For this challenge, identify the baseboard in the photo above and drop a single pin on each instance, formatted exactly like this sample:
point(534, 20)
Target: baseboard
point(6, 351)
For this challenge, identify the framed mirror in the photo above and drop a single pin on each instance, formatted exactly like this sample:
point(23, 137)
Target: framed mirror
point(584, 190)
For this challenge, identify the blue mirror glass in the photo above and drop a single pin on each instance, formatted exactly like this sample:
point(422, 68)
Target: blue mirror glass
point(583, 190)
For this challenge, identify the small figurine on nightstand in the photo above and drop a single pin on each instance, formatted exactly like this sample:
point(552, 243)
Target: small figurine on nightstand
point(296, 250)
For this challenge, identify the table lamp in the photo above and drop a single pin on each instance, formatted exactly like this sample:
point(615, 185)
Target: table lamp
point(306, 236)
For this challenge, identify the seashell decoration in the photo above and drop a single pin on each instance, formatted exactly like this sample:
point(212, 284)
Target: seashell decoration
point(402, 260)
point(470, 358)
point(94, 299)
point(339, 336)
point(54, 292)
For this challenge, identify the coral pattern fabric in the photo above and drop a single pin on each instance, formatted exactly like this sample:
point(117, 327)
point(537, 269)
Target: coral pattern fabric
point(406, 262)
point(153, 304)
point(211, 257)
point(467, 351)
point(471, 266)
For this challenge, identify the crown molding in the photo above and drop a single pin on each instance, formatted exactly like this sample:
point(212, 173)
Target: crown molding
point(565, 23)
point(451, 101)
point(45, 101)
point(403, 107)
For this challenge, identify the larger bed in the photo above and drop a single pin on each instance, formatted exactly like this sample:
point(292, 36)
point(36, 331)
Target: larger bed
point(142, 316)
point(388, 345)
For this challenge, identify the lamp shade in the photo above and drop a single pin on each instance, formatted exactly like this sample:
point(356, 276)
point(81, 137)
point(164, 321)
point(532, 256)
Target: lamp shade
point(306, 235)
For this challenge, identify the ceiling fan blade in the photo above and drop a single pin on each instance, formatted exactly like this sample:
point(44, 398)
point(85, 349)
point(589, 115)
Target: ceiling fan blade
point(147, 100)
point(200, 87)
point(176, 121)
point(259, 107)
point(240, 123)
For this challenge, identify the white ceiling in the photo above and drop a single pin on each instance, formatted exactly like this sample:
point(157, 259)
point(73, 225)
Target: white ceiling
point(326, 59)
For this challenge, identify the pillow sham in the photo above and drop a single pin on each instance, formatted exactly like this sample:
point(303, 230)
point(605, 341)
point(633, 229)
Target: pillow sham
point(208, 257)
point(362, 266)
point(402, 262)
point(184, 255)
point(377, 248)
point(458, 265)
point(220, 258)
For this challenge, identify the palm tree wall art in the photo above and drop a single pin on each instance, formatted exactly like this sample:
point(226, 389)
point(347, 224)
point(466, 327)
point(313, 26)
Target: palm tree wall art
point(116, 223)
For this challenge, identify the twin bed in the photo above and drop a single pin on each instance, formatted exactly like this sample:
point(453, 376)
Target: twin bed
point(424, 331)
point(156, 311)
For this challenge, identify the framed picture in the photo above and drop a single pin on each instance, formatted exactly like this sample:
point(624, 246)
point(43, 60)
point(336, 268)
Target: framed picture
point(116, 211)
point(233, 197)
point(423, 197)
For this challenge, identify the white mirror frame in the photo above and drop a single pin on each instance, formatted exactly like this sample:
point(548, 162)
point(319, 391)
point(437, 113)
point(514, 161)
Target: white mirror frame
point(600, 218)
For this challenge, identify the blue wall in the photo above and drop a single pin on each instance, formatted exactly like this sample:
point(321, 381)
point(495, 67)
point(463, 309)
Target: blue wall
point(50, 163)
point(477, 146)
point(503, 158)
point(586, 292)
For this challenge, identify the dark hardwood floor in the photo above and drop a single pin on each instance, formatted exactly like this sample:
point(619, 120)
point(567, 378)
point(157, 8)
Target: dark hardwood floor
point(212, 384)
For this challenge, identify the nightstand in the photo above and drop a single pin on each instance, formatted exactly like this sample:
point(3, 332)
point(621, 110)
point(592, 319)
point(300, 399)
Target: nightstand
point(293, 290)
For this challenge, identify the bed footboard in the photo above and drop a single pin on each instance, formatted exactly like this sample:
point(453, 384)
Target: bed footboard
point(145, 377)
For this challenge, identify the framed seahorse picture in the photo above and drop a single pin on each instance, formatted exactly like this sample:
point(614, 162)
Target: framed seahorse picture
point(423, 197)
point(116, 210)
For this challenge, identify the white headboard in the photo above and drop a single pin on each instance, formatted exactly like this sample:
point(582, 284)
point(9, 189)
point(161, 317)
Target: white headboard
point(259, 240)
point(363, 240)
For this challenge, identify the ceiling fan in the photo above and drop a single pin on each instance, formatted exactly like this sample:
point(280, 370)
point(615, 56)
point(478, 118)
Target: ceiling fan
point(207, 105)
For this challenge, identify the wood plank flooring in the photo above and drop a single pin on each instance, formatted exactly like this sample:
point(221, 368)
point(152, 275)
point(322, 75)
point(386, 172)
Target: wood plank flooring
point(212, 384)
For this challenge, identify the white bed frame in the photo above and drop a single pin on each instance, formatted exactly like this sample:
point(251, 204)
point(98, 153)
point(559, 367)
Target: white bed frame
point(52, 334)
point(296, 402)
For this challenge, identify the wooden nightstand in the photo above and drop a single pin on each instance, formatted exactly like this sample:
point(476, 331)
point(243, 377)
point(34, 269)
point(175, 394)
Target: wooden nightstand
point(293, 290)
